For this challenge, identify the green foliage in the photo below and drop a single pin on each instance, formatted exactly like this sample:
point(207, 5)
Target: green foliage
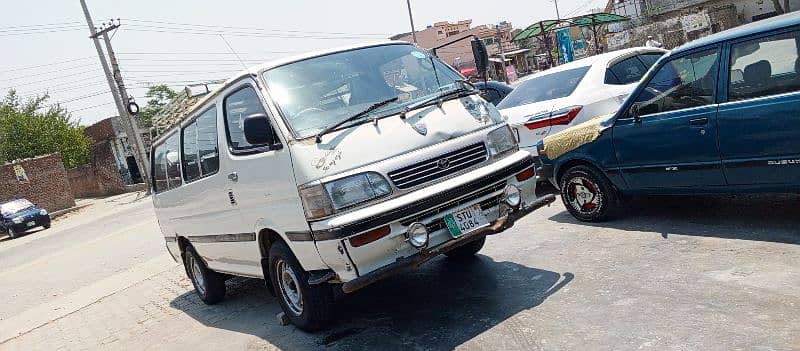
point(31, 128)
point(158, 96)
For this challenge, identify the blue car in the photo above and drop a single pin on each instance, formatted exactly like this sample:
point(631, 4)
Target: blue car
point(717, 115)
point(493, 91)
point(19, 216)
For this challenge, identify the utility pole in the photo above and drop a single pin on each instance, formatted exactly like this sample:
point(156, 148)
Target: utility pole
point(502, 53)
point(411, 18)
point(127, 122)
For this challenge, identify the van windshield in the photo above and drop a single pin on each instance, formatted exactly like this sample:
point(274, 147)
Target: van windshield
point(321, 91)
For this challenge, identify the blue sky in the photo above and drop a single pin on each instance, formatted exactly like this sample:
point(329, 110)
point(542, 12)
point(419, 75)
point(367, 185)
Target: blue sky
point(175, 40)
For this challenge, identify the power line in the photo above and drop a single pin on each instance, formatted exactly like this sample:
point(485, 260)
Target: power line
point(50, 79)
point(207, 53)
point(69, 88)
point(42, 25)
point(48, 72)
point(246, 34)
point(45, 65)
point(97, 93)
point(52, 30)
point(91, 107)
point(203, 26)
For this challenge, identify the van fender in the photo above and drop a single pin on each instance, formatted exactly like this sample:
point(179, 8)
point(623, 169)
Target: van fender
point(305, 251)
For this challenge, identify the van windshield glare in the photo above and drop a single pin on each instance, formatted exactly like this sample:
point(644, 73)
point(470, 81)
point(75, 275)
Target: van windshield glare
point(319, 92)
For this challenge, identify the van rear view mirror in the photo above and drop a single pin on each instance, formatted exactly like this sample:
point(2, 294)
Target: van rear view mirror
point(257, 130)
point(481, 56)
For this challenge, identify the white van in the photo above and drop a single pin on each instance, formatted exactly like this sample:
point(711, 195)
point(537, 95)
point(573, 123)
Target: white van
point(334, 170)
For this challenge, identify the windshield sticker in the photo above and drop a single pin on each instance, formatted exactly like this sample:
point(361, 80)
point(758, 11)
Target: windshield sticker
point(418, 54)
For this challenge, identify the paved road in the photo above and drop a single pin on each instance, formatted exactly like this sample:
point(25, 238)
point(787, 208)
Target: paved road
point(711, 273)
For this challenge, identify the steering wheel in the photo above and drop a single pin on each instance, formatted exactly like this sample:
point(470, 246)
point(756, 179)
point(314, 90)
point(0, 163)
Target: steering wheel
point(308, 109)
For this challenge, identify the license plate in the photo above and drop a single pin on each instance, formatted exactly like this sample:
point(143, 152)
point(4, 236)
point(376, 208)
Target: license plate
point(31, 224)
point(464, 221)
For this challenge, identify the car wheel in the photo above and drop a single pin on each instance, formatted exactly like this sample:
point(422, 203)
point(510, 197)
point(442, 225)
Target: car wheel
point(46, 226)
point(466, 251)
point(209, 285)
point(12, 233)
point(587, 194)
point(308, 307)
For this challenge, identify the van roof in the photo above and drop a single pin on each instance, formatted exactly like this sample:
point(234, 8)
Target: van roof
point(777, 22)
point(268, 65)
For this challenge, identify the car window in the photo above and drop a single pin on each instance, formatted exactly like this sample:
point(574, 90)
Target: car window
point(627, 71)
point(546, 87)
point(200, 150)
point(681, 83)
point(649, 59)
point(764, 66)
point(238, 105)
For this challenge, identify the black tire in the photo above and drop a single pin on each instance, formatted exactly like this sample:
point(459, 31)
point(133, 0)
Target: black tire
point(467, 251)
point(315, 301)
point(47, 226)
point(12, 233)
point(587, 194)
point(209, 285)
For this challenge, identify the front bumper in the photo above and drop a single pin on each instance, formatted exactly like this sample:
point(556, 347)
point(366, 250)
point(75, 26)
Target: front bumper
point(41, 221)
point(499, 225)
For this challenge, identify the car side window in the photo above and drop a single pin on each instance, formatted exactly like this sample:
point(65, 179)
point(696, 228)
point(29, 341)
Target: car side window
point(238, 105)
point(650, 59)
point(200, 149)
point(627, 71)
point(764, 66)
point(684, 82)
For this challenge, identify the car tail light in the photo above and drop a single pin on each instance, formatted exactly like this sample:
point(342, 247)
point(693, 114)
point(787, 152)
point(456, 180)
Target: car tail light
point(561, 117)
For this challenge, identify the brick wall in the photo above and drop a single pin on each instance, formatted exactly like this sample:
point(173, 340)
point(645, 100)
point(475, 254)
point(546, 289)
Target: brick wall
point(83, 182)
point(47, 183)
point(100, 131)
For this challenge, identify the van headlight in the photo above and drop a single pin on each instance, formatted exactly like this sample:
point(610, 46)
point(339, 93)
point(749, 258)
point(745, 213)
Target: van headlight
point(324, 199)
point(501, 141)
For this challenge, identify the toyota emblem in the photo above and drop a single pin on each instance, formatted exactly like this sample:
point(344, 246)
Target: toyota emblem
point(443, 163)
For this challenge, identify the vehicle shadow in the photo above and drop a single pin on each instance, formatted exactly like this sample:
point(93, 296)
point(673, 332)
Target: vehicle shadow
point(4, 236)
point(758, 217)
point(439, 306)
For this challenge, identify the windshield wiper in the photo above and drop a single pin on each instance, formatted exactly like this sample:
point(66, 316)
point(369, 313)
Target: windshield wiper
point(354, 117)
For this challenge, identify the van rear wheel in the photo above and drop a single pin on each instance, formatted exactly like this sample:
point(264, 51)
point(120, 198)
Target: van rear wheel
point(309, 307)
point(209, 285)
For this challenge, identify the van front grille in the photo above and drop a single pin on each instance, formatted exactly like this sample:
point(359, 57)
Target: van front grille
point(438, 167)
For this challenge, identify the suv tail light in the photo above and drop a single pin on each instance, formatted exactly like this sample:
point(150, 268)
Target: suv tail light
point(561, 117)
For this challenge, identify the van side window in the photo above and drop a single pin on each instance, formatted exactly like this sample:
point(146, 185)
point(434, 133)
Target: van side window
point(200, 149)
point(238, 105)
point(172, 158)
point(764, 66)
point(684, 82)
point(627, 71)
point(160, 168)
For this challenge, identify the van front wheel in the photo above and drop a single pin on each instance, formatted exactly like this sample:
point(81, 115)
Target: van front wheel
point(209, 285)
point(309, 307)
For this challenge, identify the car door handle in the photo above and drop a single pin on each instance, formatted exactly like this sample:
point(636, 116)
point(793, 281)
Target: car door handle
point(233, 176)
point(698, 122)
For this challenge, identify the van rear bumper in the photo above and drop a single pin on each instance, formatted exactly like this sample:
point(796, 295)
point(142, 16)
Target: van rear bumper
point(498, 226)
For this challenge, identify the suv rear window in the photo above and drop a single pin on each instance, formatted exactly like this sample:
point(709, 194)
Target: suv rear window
point(547, 87)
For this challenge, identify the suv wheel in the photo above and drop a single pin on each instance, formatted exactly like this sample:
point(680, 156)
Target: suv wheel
point(587, 194)
point(309, 307)
point(209, 285)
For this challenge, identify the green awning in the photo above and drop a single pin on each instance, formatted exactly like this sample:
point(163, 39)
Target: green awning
point(589, 20)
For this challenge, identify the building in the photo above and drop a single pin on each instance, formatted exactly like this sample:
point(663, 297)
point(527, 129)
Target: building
point(675, 22)
point(498, 40)
point(110, 134)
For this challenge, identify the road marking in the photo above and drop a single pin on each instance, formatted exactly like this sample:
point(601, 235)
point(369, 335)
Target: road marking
point(63, 306)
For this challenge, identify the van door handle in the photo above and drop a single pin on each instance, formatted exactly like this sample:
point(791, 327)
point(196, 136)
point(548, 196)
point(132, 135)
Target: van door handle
point(698, 122)
point(233, 176)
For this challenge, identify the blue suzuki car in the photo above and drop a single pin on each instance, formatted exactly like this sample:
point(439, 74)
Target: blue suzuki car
point(19, 216)
point(717, 115)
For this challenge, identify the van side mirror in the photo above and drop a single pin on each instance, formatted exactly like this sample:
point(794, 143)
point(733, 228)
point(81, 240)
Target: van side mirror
point(257, 130)
point(481, 56)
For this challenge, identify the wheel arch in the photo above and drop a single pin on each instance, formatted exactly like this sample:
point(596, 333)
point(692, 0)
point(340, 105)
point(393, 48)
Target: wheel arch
point(566, 165)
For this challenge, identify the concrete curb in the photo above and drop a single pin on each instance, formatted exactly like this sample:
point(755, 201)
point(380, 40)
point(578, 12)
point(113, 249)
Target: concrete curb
point(58, 213)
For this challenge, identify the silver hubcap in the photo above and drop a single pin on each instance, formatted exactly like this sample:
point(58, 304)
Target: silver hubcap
point(583, 195)
point(290, 287)
point(197, 275)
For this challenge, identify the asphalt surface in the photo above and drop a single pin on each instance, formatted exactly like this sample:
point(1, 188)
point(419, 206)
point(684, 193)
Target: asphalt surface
point(669, 273)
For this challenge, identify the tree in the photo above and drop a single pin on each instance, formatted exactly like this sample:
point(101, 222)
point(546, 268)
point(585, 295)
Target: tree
point(158, 96)
point(31, 128)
